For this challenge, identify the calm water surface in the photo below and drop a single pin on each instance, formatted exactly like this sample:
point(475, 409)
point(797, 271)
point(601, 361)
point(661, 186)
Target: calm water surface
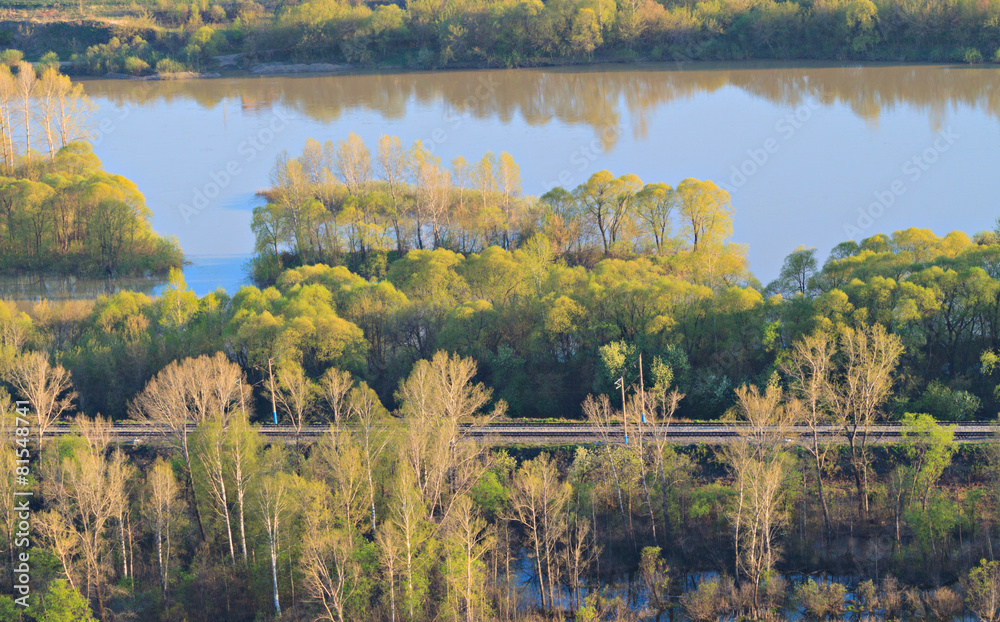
point(804, 150)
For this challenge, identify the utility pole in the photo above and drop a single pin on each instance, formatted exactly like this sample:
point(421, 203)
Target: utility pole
point(642, 393)
point(274, 409)
point(621, 385)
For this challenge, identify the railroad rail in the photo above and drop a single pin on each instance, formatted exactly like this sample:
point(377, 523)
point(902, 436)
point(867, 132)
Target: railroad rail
point(578, 432)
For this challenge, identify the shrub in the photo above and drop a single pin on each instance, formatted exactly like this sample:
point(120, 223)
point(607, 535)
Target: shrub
point(972, 56)
point(65, 604)
point(943, 604)
point(867, 596)
point(49, 59)
point(891, 598)
point(820, 601)
point(168, 65)
point(948, 404)
point(913, 605)
point(135, 66)
point(706, 602)
point(11, 57)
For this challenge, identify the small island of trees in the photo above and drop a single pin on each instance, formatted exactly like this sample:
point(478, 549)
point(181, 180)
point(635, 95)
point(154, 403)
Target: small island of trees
point(60, 212)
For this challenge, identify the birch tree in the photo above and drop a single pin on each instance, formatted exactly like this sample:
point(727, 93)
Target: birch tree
point(858, 389)
point(47, 387)
point(469, 538)
point(273, 504)
point(334, 386)
point(161, 509)
point(759, 464)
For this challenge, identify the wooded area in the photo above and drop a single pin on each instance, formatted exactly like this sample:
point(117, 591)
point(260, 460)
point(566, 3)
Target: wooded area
point(60, 212)
point(399, 516)
point(169, 36)
point(395, 515)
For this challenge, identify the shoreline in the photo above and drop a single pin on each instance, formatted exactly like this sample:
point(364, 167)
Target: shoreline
point(319, 68)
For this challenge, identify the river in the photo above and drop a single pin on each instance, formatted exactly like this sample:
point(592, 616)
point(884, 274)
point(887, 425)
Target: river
point(812, 154)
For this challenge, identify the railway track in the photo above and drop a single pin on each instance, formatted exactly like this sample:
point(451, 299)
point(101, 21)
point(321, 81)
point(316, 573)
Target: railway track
point(572, 432)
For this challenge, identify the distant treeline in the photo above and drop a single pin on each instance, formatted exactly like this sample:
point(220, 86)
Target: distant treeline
point(175, 36)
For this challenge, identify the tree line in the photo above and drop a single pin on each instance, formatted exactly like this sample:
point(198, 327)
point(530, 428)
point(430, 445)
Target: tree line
point(398, 516)
point(174, 36)
point(337, 202)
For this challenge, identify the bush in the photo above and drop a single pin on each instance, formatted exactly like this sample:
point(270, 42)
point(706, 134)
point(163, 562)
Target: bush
point(996, 56)
point(135, 66)
point(49, 59)
point(169, 65)
point(891, 598)
point(11, 57)
point(708, 600)
point(65, 604)
point(943, 604)
point(820, 601)
point(972, 56)
point(948, 404)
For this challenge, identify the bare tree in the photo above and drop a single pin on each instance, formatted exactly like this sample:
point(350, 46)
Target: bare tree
point(48, 92)
point(46, 387)
point(188, 392)
point(296, 396)
point(857, 392)
point(334, 386)
point(538, 502)
point(414, 532)
point(392, 163)
point(25, 87)
point(56, 528)
point(599, 413)
point(387, 540)
point(365, 407)
point(578, 555)
point(509, 181)
point(73, 109)
point(162, 497)
point(210, 455)
point(435, 399)
point(96, 490)
point(809, 368)
point(470, 537)
point(759, 464)
point(8, 91)
point(341, 465)
point(273, 506)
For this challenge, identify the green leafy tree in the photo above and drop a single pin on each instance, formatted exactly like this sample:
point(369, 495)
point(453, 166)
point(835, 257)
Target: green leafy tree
point(65, 604)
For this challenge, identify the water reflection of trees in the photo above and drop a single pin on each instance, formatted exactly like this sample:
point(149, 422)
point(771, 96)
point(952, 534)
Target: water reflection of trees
point(57, 287)
point(593, 96)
